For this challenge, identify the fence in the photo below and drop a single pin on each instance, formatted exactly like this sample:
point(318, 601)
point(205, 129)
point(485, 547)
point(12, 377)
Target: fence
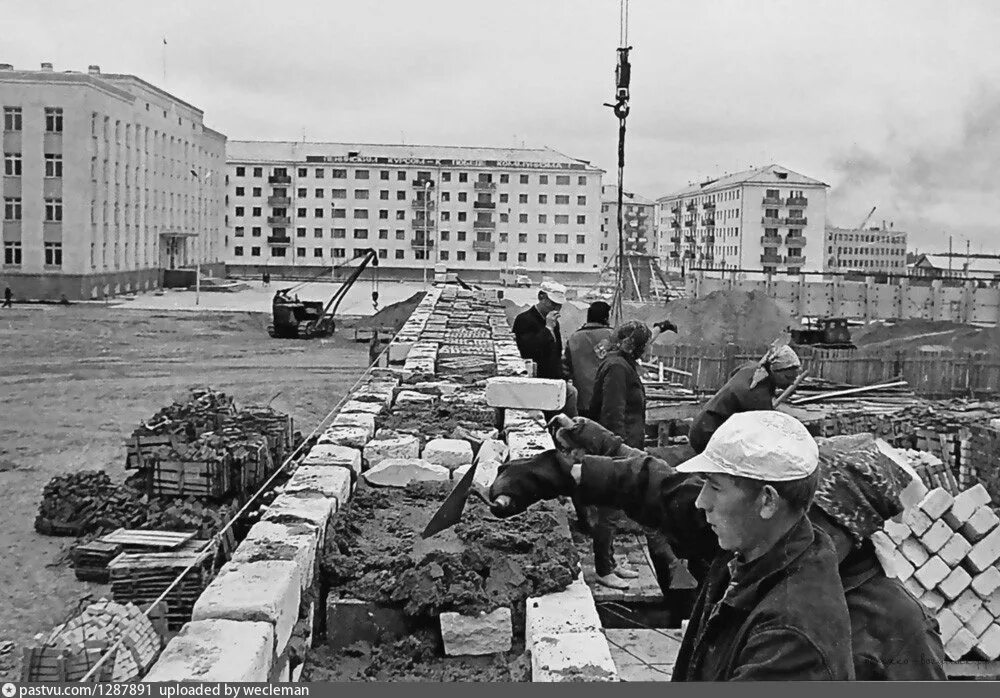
point(929, 374)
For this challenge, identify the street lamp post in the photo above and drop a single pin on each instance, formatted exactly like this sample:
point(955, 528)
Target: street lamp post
point(427, 220)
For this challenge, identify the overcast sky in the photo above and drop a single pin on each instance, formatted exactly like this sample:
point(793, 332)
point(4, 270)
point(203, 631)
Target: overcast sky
point(894, 103)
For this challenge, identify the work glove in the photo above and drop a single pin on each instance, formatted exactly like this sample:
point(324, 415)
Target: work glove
point(664, 325)
point(522, 482)
point(585, 435)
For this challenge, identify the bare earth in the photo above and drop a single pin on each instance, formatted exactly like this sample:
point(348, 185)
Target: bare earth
point(74, 381)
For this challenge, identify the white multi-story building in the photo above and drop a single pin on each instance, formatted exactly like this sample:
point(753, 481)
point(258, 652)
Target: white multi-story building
point(871, 251)
point(108, 183)
point(300, 206)
point(638, 223)
point(768, 219)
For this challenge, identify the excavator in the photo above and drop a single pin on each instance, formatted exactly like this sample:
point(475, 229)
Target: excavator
point(297, 319)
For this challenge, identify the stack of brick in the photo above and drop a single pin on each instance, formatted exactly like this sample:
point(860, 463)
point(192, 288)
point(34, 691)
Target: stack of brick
point(946, 552)
point(980, 452)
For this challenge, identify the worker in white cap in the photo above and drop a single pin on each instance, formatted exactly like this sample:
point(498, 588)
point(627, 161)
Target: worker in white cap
point(752, 387)
point(536, 331)
point(771, 606)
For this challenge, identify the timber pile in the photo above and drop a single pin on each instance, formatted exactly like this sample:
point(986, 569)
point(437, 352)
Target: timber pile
point(71, 649)
point(178, 423)
point(90, 560)
point(946, 552)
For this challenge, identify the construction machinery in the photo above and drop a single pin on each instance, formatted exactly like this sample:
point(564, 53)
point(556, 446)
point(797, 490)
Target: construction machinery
point(297, 319)
point(824, 333)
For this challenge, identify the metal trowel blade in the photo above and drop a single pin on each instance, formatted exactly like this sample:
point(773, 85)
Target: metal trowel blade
point(451, 511)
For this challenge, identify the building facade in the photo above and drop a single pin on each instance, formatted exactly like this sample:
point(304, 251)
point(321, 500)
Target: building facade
point(108, 182)
point(296, 207)
point(768, 219)
point(638, 223)
point(872, 251)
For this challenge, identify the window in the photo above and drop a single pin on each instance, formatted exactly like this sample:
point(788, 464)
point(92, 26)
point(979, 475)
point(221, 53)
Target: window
point(383, 174)
point(257, 191)
point(504, 218)
point(462, 196)
point(240, 191)
point(300, 212)
point(581, 201)
point(339, 233)
point(562, 199)
point(504, 179)
point(238, 231)
point(303, 172)
point(581, 220)
point(400, 215)
point(256, 210)
point(581, 239)
point(361, 194)
point(320, 173)
point(255, 231)
point(460, 255)
point(12, 253)
point(258, 172)
point(543, 199)
point(444, 255)
point(401, 176)
point(445, 215)
point(319, 193)
point(53, 254)
point(383, 214)
point(53, 120)
point(12, 164)
point(339, 253)
point(445, 235)
point(560, 258)
point(339, 174)
point(523, 179)
point(338, 194)
point(360, 233)
point(463, 176)
point(53, 210)
point(460, 236)
point(522, 218)
point(238, 251)
point(446, 176)
point(541, 257)
point(255, 252)
point(383, 253)
point(562, 180)
point(383, 234)
point(317, 252)
point(561, 219)
point(360, 174)
point(300, 252)
point(383, 195)
point(543, 238)
point(300, 232)
point(504, 198)
point(582, 181)
point(277, 251)
point(340, 213)
point(561, 239)
point(482, 256)
point(445, 196)
point(522, 198)
point(241, 171)
point(580, 258)
point(461, 215)
point(12, 118)
point(400, 234)
point(543, 179)
point(522, 256)
point(542, 218)
point(399, 254)
point(501, 256)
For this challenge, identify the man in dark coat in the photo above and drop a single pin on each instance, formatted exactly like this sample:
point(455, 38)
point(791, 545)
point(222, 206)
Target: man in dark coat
point(536, 331)
point(771, 607)
point(585, 349)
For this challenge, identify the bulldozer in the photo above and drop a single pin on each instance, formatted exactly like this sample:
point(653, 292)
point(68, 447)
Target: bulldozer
point(298, 319)
point(824, 333)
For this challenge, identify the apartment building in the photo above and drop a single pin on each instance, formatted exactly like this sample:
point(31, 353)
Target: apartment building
point(300, 206)
point(108, 181)
point(871, 251)
point(638, 223)
point(769, 219)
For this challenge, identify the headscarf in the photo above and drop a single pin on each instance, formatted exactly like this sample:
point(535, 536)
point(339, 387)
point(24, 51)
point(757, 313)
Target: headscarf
point(631, 338)
point(859, 487)
point(777, 358)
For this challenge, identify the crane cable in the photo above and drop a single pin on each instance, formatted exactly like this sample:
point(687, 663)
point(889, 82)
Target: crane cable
point(623, 72)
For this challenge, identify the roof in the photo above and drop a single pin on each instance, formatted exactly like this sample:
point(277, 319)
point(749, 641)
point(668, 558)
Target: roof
point(976, 265)
point(301, 152)
point(125, 77)
point(761, 175)
point(609, 195)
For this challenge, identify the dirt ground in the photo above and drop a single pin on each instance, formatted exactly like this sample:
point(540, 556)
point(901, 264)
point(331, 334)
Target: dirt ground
point(76, 380)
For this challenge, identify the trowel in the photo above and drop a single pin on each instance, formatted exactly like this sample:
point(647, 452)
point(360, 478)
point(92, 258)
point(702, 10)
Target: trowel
point(450, 512)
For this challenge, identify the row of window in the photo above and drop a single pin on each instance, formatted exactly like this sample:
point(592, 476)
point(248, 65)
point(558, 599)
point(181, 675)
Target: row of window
point(364, 195)
point(443, 255)
point(383, 214)
point(869, 263)
point(53, 164)
point(858, 237)
point(12, 210)
point(401, 175)
point(383, 234)
point(13, 119)
point(12, 254)
point(874, 251)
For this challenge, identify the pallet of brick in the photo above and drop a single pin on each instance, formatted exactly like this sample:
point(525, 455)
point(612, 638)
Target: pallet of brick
point(946, 551)
point(142, 540)
point(201, 479)
point(90, 560)
point(981, 458)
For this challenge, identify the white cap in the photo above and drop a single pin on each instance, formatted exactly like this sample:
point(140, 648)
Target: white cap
point(763, 445)
point(555, 292)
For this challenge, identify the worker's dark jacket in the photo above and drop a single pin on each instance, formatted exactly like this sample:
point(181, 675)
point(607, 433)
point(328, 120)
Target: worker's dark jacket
point(735, 396)
point(619, 401)
point(783, 617)
point(535, 342)
point(893, 636)
point(585, 349)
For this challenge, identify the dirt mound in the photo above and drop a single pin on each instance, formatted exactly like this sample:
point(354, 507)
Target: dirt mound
point(393, 315)
point(929, 335)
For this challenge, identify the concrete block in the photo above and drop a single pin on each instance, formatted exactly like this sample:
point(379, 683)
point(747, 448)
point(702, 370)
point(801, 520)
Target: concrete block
point(217, 650)
point(486, 473)
point(330, 481)
point(936, 502)
point(572, 657)
point(350, 620)
point(966, 605)
point(955, 550)
point(302, 507)
point(398, 351)
point(992, 603)
point(526, 445)
point(984, 553)
point(915, 588)
point(932, 573)
point(414, 398)
point(444, 388)
point(914, 551)
point(892, 561)
point(917, 520)
point(980, 524)
point(296, 542)
point(486, 633)
point(451, 453)
point(957, 581)
point(460, 472)
point(932, 601)
point(356, 419)
point(948, 624)
point(965, 506)
point(387, 375)
point(362, 406)
point(493, 449)
point(526, 393)
point(333, 455)
point(936, 536)
point(988, 644)
point(898, 532)
point(960, 644)
point(355, 437)
point(523, 420)
point(391, 444)
point(399, 472)
point(571, 610)
point(980, 622)
point(986, 583)
point(254, 591)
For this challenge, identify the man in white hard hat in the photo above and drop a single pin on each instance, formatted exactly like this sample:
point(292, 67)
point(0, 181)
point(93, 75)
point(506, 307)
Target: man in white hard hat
point(538, 338)
point(771, 606)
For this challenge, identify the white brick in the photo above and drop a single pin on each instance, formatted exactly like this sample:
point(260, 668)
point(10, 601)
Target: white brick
point(917, 520)
point(398, 351)
point(980, 622)
point(986, 583)
point(992, 603)
point(493, 449)
point(988, 644)
point(332, 455)
point(330, 481)
point(948, 624)
point(966, 605)
point(985, 552)
point(271, 541)
point(965, 506)
point(523, 420)
point(572, 657)
point(898, 532)
point(487, 633)
point(936, 536)
point(914, 587)
point(932, 573)
point(399, 472)
point(302, 507)
point(955, 583)
point(526, 445)
point(451, 453)
point(955, 550)
point(936, 502)
point(526, 393)
point(569, 611)
point(391, 444)
point(356, 419)
point(980, 524)
point(486, 473)
point(893, 562)
point(932, 601)
point(412, 397)
point(960, 644)
point(355, 437)
point(362, 406)
point(460, 472)
point(254, 591)
point(217, 650)
point(914, 551)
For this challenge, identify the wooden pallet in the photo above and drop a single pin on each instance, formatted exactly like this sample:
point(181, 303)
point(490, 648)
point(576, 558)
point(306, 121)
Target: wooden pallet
point(139, 448)
point(132, 540)
point(208, 479)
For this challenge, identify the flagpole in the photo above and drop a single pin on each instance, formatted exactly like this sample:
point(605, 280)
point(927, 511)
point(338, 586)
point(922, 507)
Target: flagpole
point(164, 62)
